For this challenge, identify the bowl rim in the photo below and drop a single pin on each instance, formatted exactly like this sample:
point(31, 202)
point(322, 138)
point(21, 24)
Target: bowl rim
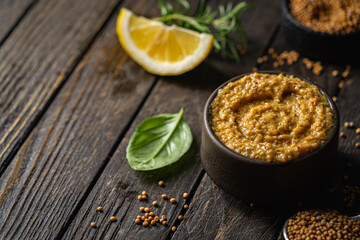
point(238, 156)
point(286, 12)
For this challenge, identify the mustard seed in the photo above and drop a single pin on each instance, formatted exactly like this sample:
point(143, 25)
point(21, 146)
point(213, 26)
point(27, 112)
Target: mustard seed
point(351, 124)
point(113, 219)
point(155, 203)
point(161, 183)
point(153, 222)
point(255, 69)
point(357, 145)
point(186, 206)
point(142, 209)
point(335, 73)
point(180, 217)
point(164, 223)
point(139, 197)
point(137, 221)
point(150, 218)
point(173, 228)
point(164, 196)
point(138, 217)
point(271, 50)
point(151, 214)
point(143, 197)
point(172, 200)
point(357, 131)
point(185, 195)
point(99, 209)
point(145, 223)
point(93, 224)
point(163, 217)
point(334, 99)
point(143, 218)
point(252, 204)
point(346, 124)
point(147, 215)
point(156, 218)
point(342, 134)
point(144, 193)
point(147, 209)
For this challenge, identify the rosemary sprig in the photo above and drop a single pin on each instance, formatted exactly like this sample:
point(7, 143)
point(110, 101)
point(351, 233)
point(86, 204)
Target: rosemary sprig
point(225, 24)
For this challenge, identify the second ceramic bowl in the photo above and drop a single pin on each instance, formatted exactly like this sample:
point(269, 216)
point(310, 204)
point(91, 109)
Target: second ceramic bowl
point(262, 182)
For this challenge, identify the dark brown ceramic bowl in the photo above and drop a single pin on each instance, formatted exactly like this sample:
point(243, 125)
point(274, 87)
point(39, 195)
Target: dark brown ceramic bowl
point(319, 45)
point(262, 182)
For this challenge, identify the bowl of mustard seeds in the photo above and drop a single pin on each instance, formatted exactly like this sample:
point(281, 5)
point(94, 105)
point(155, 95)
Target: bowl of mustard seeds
point(323, 29)
point(269, 138)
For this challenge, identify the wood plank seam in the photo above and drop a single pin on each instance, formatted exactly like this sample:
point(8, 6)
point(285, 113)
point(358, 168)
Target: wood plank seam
point(63, 79)
point(21, 17)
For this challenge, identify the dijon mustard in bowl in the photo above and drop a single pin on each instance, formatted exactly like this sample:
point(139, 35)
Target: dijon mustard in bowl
point(269, 137)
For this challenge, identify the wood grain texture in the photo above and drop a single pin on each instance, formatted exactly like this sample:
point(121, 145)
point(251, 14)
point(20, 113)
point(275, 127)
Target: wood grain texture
point(118, 187)
point(53, 170)
point(36, 60)
point(11, 11)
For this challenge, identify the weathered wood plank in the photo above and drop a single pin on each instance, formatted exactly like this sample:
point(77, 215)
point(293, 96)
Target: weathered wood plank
point(37, 58)
point(117, 189)
point(11, 11)
point(57, 164)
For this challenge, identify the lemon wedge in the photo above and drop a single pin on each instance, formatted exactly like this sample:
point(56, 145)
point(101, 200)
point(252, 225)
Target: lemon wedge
point(161, 49)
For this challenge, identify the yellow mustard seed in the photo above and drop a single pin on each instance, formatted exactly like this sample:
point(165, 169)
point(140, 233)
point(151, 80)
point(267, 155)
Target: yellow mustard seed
point(143, 197)
point(180, 217)
point(137, 221)
point(147, 209)
point(139, 197)
point(334, 99)
point(155, 203)
point(153, 222)
point(93, 224)
point(147, 215)
point(142, 209)
point(112, 218)
point(138, 217)
point(186, 206)
point(164, 196)
point(99, 209)
point(145, 223)
point(164, 223)
point(143, 218)
point(151, 214)
point(150, 218)
point(172, 200)
point(342, 134)
point(357, 131)
point(161, 183)
point(173, 228)
point(144, 193)
point(185, 195)
point(156, 218)
point(357, 145)
point(163, 217)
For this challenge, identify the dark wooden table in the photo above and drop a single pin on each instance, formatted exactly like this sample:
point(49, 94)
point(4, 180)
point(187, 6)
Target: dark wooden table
point(71, 98)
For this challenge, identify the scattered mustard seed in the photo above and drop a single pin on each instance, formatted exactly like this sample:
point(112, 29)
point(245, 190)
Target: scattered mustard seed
point(142, 209)
point(143, 218)
point(93, 224)
point(156, 218)
point(255, 69)
point(185, 195)
point(173, 200)
point(164, 223)
point(145, 223)
point(342, 134)
point(147, 215)
point(150, 218)
point(357, 145)
point(153, 222)
point(164, 196)
point(144, 193)
point(346, 72)
point(186, 206)
point(99, 209)
point(161, 183)
point(137, 221)
point(351, 124)
point(147, 209)
point(335, 73)
point(173, 228)
point(341, 84)
point(163, 217)
point(138, 217)
point(113, 219)
point(334, 99)
point(140, 197)
point(357, 131)
point(180, 217)
point(143, 197)
point(271, 50)
point(346, 124)
point(155, 203)
point(151, 214)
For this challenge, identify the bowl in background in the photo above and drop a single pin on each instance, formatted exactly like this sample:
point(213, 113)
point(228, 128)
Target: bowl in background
point(341, 47)
point(261, 182)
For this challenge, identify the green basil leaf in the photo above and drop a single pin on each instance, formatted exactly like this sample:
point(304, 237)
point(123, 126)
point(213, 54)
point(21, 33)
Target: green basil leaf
point(159, 141)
